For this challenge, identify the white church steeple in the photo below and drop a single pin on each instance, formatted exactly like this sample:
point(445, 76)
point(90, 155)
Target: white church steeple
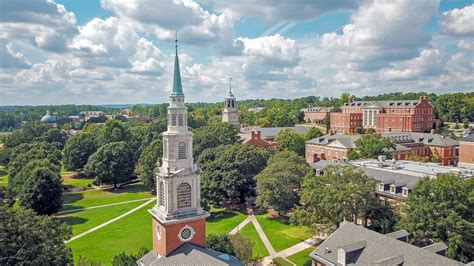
point(230, 113)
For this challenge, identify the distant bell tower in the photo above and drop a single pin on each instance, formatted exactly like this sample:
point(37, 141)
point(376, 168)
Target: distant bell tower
point(178, 217)
point(230, 113)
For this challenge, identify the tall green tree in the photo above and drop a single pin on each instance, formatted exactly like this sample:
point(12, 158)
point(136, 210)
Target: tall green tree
point(213, 135)
point(150, 158)
point(228, 172)
point(29, 239)
point(220, 243)
point(278, 185)
point(372, 145)
point(112, 163)
point(342, 192)
point(313, 133)
point(442, 210)
point(77, 150)
point(113, 131)
point(124, 259)
point(29, 132)
point(289, 140)
point(27, 152)
point(38, 186)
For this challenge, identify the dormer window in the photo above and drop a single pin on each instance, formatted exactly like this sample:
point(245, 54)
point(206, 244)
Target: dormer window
point(405, 192)
point(392, 189)
point(381, 187)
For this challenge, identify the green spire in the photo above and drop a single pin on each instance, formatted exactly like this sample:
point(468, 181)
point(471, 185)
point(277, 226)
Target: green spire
point(177, 87)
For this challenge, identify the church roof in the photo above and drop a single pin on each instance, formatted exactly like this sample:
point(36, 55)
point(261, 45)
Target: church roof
point(190, 254)
point(48, 118)
point(177, 86)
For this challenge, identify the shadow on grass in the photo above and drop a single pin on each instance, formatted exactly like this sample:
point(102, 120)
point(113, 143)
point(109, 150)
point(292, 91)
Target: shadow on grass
point(69, 198)
point(132, 188)
point(73, 220)
point(220, 215)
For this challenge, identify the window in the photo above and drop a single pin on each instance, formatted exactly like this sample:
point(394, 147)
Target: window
point(381, 187)
point(184, 195)
point(162, 194)
point(392, 189)
point(182, 150)
point(405, 192)
point(173, 120)
point(180, 120)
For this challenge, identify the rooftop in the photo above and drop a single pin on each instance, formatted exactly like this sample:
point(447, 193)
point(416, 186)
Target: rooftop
point(361, 246)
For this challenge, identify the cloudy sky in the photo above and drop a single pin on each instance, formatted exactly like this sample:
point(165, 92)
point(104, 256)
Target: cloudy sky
point(121, 51)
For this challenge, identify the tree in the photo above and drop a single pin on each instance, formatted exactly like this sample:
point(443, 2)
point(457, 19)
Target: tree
point(124, 259)
point(382, 217)
point(27, 152)
point(220, 243)
point(442, 210)
point(278, 185)
point(228, 172)
point(289, 140)
point(54, 135)
point(358, 130)
point(27, 238)
point(77, 150)
point(29, 132)
point(113, 131)
point(213, 135)
point(150, 158)
point(372, 145)
point(342, 192)
point(111, 164)
point(38, 187)
point(344, 98)
point(242, 247)
point(465, 123)
point(313, 133)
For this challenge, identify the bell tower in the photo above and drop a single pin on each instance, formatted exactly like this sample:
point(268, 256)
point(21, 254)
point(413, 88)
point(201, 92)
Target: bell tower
point(178, 217)
point(230, 113)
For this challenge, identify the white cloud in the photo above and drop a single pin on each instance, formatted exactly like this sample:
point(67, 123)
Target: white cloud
point(41, 23)
point(458, 22)
point(428, 63)
point(9, 58)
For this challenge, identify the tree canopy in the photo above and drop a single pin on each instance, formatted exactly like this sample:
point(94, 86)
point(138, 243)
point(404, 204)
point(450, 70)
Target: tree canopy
point(290, 140)
point(278, 185)
point(442, 210)
point(150, 158)
point(77, 150)
point(342, 192)
point(111, 164)
point(370, 146)
point(213, 135)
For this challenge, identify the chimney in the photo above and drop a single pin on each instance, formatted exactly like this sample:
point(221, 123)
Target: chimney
point(255, 134)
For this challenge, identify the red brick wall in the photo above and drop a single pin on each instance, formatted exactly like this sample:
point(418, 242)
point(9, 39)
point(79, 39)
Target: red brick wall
point(345, 123)
point(314, 152)
point(256, 140)
point(315, 117)
point(466, 152)
point(169, 236)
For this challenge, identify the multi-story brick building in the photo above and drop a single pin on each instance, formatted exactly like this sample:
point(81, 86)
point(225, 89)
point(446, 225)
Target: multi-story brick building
point(317, 115)
point(420, 145)
point(384, 116)
point(466, 153)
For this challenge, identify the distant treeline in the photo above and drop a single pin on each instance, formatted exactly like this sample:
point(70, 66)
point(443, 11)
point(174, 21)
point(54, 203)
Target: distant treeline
point(449, 107)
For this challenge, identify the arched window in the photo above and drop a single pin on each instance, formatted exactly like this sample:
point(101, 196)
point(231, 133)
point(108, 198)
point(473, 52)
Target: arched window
point(180, 120)
point(184, 195)
point(173, 120)
point(162, 194)
point(182, 150)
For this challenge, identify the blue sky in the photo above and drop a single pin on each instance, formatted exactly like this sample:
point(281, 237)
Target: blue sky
point(111, 51)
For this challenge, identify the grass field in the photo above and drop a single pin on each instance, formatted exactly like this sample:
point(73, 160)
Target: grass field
point(281, 234)
point(91, 198)
point(301, 257)
point(3, 176)
point(279, 261)
point(82, 221)
point(128, 234)
point(221, 222)
point(259, 250)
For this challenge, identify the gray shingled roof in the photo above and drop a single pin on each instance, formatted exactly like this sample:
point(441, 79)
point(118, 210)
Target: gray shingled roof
point(384, 104)
point(347, 140)
point(190, 254)
point(378, 249)
point(417, 137)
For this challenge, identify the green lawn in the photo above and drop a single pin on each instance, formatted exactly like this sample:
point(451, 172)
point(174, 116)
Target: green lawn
point(301, 257)
point(259, 250)
point(3, 176)
point(128, 234)
point(91, 198)
point(281, 234)
point(279, 261)
point(69, 181)
point(82, 221)
point(221, 222)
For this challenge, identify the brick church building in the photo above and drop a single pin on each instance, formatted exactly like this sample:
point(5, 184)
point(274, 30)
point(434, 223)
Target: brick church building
point(179, 222)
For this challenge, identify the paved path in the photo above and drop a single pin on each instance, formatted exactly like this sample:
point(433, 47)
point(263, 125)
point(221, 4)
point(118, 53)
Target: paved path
point(262, 235)
point(291, 250)
point(101, 206)
point(110, 221)
point(240, 226)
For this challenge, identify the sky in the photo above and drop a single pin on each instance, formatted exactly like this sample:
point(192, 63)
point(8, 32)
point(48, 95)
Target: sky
point(122, 51)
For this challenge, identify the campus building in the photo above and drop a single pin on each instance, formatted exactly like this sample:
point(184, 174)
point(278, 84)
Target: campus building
point(352, 244)
point(179, 222)
point(230, 114)
point(264, 136)
point(407, 144)
point(466, 153)
point(50, 119)
point(317, 115)
point(384, 116)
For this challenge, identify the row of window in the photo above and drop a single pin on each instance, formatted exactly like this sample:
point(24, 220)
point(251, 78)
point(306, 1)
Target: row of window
point(181, 120)
point(183, 195)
